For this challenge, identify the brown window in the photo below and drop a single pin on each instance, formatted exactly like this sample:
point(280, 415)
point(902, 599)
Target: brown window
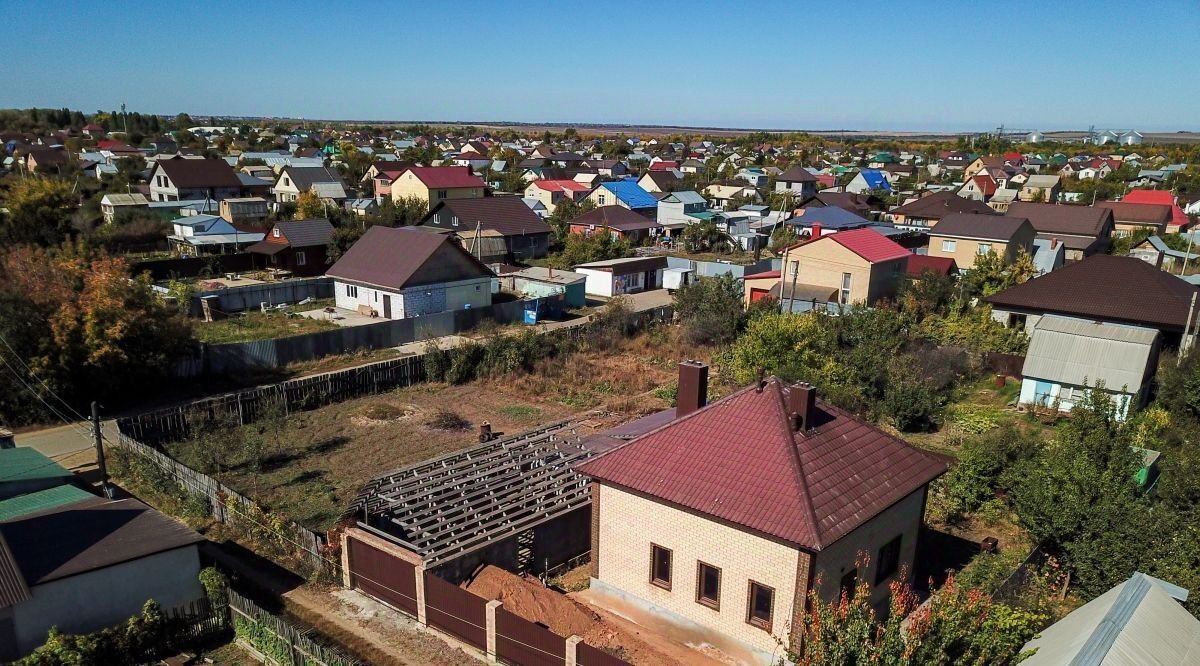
point(889, 560)
point(761, 605)
point(708, 585)
point(660, 566)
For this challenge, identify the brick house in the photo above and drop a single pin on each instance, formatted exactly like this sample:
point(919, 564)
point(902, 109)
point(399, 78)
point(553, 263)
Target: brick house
point(723, 520)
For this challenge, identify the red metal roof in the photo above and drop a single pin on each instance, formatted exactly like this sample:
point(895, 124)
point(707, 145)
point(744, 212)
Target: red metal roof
point(738, 460)
point(1161, 197)
point(919, 263)
point(765, 275)
point(447, 176)
point(561, 185)
point(870, 245)
point(664, 165)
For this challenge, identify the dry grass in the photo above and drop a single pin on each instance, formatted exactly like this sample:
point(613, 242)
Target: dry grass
point(314, 467)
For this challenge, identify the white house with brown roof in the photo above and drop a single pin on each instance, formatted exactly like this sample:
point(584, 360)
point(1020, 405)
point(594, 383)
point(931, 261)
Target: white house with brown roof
point(403, 272)
point(722, 521)
point(178, 179)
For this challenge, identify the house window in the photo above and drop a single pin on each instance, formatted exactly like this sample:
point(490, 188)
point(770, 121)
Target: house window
point(441, 194)
point(760, 606)
point(352, 291)
point(286, 182)
point(985, 248)
point(454, 221)
point(708, 586)
point(846, 277)
point(300, 259)
point(660, 566)
point(889, 560)
point(949, 245)
point(275, 232)
point(848, 584)
point(600, 198)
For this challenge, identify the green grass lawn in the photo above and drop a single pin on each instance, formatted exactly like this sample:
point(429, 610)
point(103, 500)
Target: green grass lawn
point(254, 325)
point(977, 407)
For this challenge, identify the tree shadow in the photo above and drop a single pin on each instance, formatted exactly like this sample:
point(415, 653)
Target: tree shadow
point(331, 444)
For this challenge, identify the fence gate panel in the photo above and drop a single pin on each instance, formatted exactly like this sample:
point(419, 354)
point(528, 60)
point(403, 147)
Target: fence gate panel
point(383, 576)
point(586, 655)
point(456, 611)
point(523, 643)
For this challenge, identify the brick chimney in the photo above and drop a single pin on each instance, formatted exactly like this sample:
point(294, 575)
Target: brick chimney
point(693, 387)
point(802, 406)
point(815, 233)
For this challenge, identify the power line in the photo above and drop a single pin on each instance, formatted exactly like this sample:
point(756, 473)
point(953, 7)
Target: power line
point(39, 379)
point(37, 395)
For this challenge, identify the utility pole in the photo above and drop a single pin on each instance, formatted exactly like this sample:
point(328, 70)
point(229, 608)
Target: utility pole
point(100, 450)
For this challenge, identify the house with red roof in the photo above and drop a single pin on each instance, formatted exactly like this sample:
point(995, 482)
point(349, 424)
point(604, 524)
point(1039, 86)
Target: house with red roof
point(551, 191)
point(435, 184)
point(1179, 220)
point(860, 266)
point(722, 521)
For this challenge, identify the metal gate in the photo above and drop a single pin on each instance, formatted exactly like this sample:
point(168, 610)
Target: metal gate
point(383, 576)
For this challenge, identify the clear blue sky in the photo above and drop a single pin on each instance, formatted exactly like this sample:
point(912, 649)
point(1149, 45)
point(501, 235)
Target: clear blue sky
point(829, 65)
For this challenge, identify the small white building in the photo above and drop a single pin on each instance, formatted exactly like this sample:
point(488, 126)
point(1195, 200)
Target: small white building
point(614, 277)
point(1067, 357)
point(404, 272)
point(209, 234)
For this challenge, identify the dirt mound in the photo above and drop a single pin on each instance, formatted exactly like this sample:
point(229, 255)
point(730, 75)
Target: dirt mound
point(565, 616)
point(533, 602)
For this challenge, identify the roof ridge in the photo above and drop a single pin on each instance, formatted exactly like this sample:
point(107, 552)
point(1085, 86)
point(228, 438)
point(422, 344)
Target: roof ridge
point(798, 465)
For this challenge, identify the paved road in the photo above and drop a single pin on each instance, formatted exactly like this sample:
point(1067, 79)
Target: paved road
point(71, 446)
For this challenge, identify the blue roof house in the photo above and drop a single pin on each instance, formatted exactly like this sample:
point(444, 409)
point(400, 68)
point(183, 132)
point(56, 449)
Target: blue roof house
point(868, 180)
point(625, 193)
point(831, 218)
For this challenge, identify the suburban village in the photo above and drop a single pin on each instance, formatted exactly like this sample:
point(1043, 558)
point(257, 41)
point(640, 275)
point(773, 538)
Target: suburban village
point(306, 392)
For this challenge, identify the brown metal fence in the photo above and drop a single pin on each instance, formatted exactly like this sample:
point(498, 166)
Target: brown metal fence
point(456, 611)
point(383, 576)
point(523, 643)
point(586, 655)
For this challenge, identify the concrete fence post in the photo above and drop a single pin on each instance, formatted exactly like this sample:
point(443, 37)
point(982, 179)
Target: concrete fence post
point(419, 572)
point(573, 642)
point(490, 615)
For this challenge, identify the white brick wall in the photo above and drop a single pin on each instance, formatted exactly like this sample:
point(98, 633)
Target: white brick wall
point(629, 524)
point(902, 518)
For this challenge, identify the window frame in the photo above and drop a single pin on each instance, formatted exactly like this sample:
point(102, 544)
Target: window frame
point(983, 248)
point(881, 572)
point(654, 580)
point(713, 603)
point(949, 245)
point(300, 258)
point(753, 620)
point(846, 288)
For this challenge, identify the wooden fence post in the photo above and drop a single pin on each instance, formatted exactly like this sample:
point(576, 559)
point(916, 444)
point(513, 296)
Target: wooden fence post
point(490, 614)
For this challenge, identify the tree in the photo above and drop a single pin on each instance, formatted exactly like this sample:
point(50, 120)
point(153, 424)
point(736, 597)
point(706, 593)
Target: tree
point(1080, 498)
point(706, 236)
point(955, 626)
point(39, 211)
point(710, 310)
point(783, 236)
point(565, 211)
point(309, 206)
point(992, 273)
point(82, 326)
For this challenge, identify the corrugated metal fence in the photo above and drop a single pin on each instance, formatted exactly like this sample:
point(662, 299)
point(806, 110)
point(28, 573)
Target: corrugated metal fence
point(249, 297)
point(238, 357)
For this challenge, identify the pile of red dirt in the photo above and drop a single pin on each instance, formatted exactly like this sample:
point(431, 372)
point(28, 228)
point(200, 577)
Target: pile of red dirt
point(534, 602)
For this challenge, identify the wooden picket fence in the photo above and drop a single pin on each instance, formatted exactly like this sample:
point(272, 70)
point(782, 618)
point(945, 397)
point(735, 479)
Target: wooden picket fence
point(230, 506)
point(301, 394)
point(278, 641)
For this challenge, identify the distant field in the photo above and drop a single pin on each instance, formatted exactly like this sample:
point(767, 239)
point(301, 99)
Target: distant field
point(606, 129)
